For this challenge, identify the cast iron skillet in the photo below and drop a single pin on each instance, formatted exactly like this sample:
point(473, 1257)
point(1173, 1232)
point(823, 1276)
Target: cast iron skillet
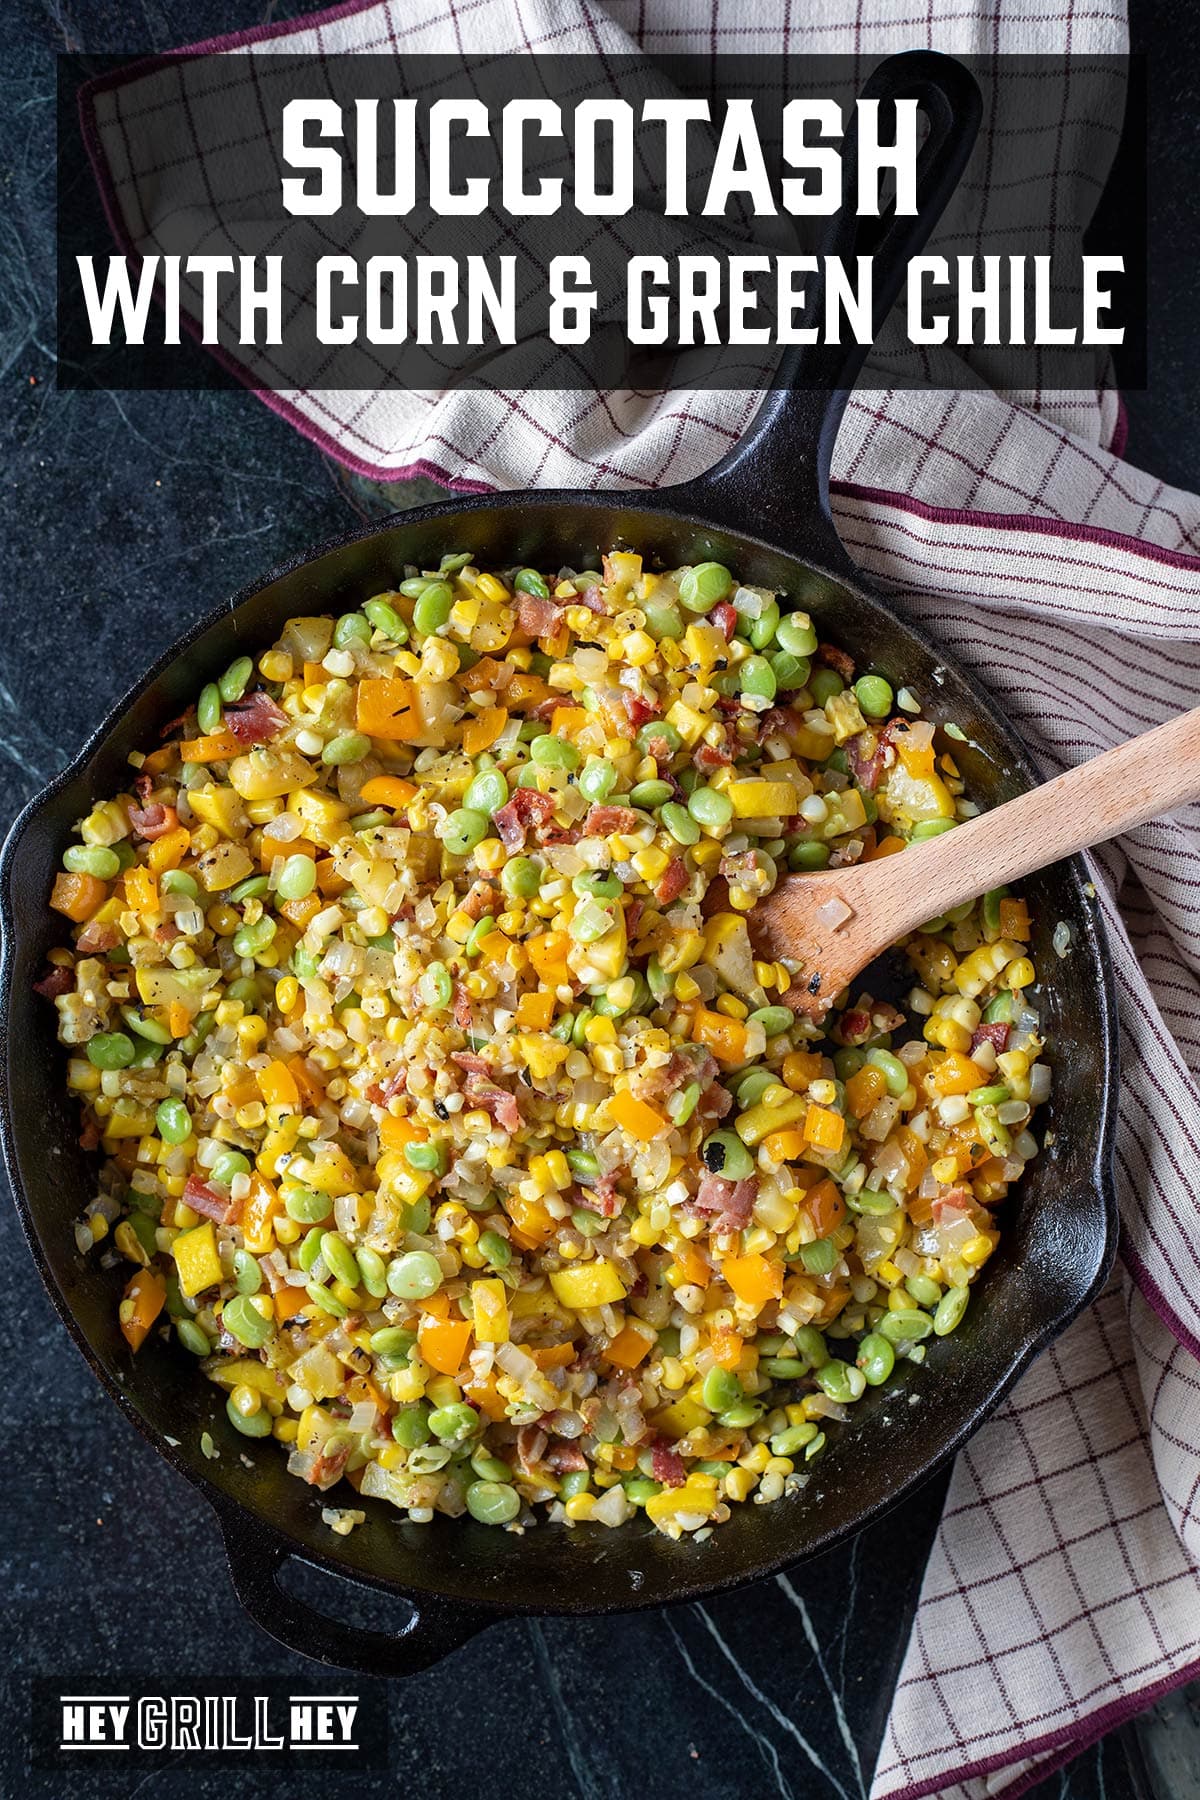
point(764, 511)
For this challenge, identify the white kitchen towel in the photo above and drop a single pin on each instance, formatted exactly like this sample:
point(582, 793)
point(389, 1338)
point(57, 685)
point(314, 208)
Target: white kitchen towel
point(1063, 1592)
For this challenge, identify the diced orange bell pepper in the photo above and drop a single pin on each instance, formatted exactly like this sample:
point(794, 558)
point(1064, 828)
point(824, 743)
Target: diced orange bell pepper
point(481, 733)
point(915, 1155)
point(312, 1090)
point(568, 720)
point(754, 1279)
point(271, 847)
point(824, 1129)
point(395, 1132)
point(1014, 920)
point(443, 1343)
point(487, 1397)
point(141, 889)
point(532, 1223)
point(726, 1346)
point(289, 1301)
point(301, 913)
point(78, 896)
point(825, 1207)
point(168, 851)
point(548, 954)
point(145, 1297)
point(329, 881)
point(388, 790)
point(527, 690)
point(553, 1356)
point(725, 1037)
point(629, 1348)
point(693, 1265)
point(918, 763)
point(482, 677)
point(179, 1019)
point(278, 1086)
point(864, 1089)
point(159, 761)
point(784, 1146)
point(535, 1010)
point(954, 1073)
point(314, 674)
point(217, 746)
point(800, 1067)
point(387, 708)
point(635, 1117)
point(887, 846)
point(262, 1204)
point(622, 1456)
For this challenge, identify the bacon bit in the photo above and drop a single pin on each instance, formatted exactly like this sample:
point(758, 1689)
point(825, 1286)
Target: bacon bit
point(531, 1447)
point(143, 787)
point(527, 807)
point(854, 1028)
point(564, 1457)
point(589, 597)
point(167, 932)
point(958, 1203)
point(89, 1137)
point(778, 721)
point(327, 1470)
point(494, 1100)
point(728, 708)
point(708, 757)
point(666, 1464)
point(207, 1201)
point(602, 1198)
point(715, 1102)
point(462, 1007)
point(603, 820)
point(536, 616)
point(153, 821)
point(633, 917)
point(996, 1033)
point(481, 898)
point(474, 1065)
point(724, 617)
point(885, 1016)
point(679, 1069)
point(672, 882)
point(640, 711)
point(729, 1203)
point(833, 658)
point(171, 725)
point(99, 936)
point(380, 1092)
point(256, 719)
point(55, 982)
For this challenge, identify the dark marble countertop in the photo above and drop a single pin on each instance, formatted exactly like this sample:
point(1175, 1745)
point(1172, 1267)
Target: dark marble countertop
point(121, 517)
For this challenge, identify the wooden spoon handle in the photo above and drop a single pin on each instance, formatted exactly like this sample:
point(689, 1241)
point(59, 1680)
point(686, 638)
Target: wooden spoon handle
point(1150, 775)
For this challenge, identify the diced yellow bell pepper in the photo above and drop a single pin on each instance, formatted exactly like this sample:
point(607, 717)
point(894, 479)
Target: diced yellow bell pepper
point(220, 807)
point(762, 799)
point(757, 1121)
point(693, 1497)
point(196, 1259)
point(587, 1285)
point(247, 1371)
point(535, 1011)
point(683, 1415)
point(277, 1085)
point(490, 1301)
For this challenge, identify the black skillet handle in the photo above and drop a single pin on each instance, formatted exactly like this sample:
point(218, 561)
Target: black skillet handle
point(437, 1627)
point(775, 481)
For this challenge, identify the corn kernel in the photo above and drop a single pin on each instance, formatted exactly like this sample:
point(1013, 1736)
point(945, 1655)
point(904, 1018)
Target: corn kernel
point(976, 1250)
point(764, 974)
point(739, 1484)
point(731, 1006)
point(644, 1233)
point(286, 1430)
point(580, 1507)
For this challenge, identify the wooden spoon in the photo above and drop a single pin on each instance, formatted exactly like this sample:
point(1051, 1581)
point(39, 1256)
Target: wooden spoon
point(834, 923)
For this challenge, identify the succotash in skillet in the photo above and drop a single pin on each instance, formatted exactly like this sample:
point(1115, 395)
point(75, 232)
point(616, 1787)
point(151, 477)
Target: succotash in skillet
point(465, 1153)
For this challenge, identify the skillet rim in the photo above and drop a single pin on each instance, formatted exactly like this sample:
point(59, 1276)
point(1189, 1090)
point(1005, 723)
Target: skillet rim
point(234, 1515)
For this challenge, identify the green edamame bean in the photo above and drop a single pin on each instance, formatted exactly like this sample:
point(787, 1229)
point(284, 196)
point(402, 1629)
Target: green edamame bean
point(493, 1502)
point(930, 828)
point(410, 1427)
point(454, 1424)
point(110, 1050)
point(892, 1070)
point(906, 1327)
point(824, 685)
point(208, 709)
point(92, 859)
point(249, 940)
point(709, 807)
point(433, 608)
point(756, 677)
point(679, 822)
point(703, 585)
point(876, 1358)
point(229, 1165)
point(173, 1122)
point(252, 1425)
point(234, 682)
point(868, 1201)
point(327, 1302)
point(192, 1337)
point(597, 779)
point(722, 1389)
point(774, 1019)
point(497, 1249)
point(297, 878)
point(486, 793)
point(785, 1443)
point(762, 629)
point(373, 1270)
point(340, 1259)
point(842, 1381)
point(554, 753)
point(809, 854)
point(308, 1206)
point(795, 634)
point(528, 581)
point(244, 1321)
point(820, 1256)
point(351, 628)
point(741, 1414)
point(950, 1309)
point(430, 1157)
point(725, 1154)
point(310, 1249)
point(414, 1276)
point(435, 989)
point(650, 794)
point(178, 881)
point(924, 1290)
point(393, 1342)
point(253, 888)
point(246, 1273)
point(520, 878)
point(463, 830)
point(811, 1346)
point(874, 696)
point(348, 747)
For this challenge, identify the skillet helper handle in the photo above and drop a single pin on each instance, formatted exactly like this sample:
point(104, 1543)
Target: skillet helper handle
point(1152, 774)
point(436, 1628)
point(778, 472)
